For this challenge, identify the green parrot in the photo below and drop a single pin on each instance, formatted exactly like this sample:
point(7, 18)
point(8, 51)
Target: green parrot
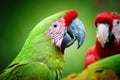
point(41, 57)
point(105, 69)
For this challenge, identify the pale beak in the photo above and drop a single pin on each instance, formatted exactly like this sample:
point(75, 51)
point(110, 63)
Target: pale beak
point(103, 34)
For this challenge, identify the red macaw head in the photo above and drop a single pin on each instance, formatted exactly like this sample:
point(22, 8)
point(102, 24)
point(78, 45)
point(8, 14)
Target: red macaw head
point(108, 27)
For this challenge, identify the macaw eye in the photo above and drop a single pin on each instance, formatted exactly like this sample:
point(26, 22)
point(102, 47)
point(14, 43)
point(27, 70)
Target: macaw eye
point(118, 22)
point(55, 25)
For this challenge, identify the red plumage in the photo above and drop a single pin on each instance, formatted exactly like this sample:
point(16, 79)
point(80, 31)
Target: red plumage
point(97, 52)
point(70, 16)
point(106, 17)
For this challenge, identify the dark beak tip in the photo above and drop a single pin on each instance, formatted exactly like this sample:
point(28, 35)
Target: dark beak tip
point(79, 45)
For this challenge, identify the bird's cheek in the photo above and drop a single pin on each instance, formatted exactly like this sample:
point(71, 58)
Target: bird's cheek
point(57, 37)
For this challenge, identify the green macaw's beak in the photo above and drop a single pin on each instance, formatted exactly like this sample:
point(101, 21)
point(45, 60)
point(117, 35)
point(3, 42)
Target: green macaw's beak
point(74, 31)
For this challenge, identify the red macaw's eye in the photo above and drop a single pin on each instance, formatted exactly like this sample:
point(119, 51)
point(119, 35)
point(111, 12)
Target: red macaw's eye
point(118, 22)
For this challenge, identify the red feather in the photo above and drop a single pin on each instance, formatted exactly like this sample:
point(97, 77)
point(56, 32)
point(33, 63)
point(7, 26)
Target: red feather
point(96, 52)
point(70, 16)
point(106, 17)
point(90, 56)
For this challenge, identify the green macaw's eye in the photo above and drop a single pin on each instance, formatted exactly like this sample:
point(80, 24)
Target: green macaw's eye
point(55, 25)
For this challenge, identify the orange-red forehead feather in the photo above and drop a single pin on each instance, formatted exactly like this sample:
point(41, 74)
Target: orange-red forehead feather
point(70, 16)
point(106, 17)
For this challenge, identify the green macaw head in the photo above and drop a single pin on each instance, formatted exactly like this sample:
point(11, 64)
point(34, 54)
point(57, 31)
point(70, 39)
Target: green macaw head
point(62, 28)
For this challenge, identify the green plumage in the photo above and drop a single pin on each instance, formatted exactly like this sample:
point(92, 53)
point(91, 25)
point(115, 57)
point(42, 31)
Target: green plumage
point(39, 59)
point(111, 62)
point(105, 69)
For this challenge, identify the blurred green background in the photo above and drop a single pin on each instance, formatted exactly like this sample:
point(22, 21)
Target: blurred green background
point(18, 17)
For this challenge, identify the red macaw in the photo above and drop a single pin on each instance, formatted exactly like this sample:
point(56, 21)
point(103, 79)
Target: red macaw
point(107, 39)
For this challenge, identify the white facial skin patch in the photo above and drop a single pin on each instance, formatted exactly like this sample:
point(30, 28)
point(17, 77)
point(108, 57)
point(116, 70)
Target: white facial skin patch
point(56, 32)
point(116, 29)
point(102, 33)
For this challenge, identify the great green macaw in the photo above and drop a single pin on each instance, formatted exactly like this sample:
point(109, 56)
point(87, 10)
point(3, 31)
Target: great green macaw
point(41, 57)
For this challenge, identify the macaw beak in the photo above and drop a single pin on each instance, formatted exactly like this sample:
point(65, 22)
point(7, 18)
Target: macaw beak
point(75, 31)
point(104, 34)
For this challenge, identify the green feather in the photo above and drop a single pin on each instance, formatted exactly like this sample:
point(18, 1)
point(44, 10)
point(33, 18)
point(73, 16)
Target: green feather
point(105, 69)
point(39, 59)
point(111, 62)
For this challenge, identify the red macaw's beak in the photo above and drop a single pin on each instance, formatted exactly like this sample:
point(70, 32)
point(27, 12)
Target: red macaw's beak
point(104, 34)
